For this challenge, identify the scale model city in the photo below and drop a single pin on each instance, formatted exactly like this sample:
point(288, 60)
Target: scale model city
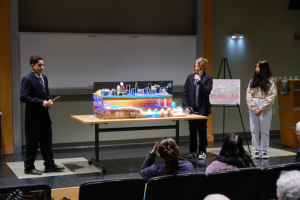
point(126, 102)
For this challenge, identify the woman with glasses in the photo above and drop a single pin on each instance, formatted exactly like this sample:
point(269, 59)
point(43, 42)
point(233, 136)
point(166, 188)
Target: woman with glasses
point(260, 98)
point(297, 131)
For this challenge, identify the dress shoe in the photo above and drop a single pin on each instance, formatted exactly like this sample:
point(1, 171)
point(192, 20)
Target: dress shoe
point(32, 171)
point(53, 168)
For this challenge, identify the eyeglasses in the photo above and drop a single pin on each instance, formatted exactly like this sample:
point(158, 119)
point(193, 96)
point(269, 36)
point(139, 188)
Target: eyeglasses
point(296, 131)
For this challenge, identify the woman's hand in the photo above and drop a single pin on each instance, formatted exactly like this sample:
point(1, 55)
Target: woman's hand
point(197, 77)
point(154, 150)
point(257, 112)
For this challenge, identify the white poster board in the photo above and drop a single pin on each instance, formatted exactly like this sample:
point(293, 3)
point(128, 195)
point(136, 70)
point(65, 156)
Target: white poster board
point(225, 91)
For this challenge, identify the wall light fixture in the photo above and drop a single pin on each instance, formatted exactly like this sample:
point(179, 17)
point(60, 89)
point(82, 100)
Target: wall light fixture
point(236, 36)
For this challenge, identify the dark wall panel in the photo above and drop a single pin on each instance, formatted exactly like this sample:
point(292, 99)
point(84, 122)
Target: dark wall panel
point(108, 16)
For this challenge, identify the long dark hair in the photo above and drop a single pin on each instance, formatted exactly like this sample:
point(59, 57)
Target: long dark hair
point(262, 79)
point(233, 152)
point(167, 148)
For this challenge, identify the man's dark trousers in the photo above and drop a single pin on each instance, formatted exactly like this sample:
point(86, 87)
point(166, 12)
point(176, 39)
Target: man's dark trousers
point(34, 135)
point(200, 127)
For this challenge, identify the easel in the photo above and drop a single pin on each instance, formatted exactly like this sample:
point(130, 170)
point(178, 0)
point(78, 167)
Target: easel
point(224, 62)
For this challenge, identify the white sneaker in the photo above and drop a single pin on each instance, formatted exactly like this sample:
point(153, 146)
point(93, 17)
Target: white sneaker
point(202, 155)
point(256, 155)
point(265, 155)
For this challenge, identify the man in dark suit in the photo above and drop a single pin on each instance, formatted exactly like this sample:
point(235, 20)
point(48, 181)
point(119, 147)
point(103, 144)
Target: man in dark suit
point(195, 97)
point(35, 93)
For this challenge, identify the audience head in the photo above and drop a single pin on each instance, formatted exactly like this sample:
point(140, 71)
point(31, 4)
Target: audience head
point(297, 131)
point(233, 152)
point(298, 127)
point(288, 185)
point(216, 197)
point(168, 150)
point(233, 146)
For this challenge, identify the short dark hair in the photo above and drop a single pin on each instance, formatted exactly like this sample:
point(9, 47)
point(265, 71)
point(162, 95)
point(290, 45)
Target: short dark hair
point(35, 59)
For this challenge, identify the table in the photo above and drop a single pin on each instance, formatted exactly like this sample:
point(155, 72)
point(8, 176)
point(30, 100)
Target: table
point(89, 119)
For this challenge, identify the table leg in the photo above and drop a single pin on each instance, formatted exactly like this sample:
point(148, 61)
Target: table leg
point(177, 137)
point(95, 160)
point(177, 132)
point(97, 142)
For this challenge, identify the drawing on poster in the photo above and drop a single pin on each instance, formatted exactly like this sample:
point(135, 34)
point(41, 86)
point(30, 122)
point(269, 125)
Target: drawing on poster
point(225, 91)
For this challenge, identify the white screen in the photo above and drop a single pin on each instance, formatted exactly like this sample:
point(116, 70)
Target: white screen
point(79, 60)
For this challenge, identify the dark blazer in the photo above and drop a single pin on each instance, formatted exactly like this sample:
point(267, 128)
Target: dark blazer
point(33, 95)
point(205, 87)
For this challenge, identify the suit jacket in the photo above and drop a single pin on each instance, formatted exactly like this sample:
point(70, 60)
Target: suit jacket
point(205, 87)
point(33, 95)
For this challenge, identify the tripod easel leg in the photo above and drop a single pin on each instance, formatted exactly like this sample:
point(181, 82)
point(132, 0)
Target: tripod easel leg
point(244, 128)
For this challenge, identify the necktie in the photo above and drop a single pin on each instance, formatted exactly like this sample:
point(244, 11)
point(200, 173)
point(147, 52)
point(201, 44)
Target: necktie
point(41, 81)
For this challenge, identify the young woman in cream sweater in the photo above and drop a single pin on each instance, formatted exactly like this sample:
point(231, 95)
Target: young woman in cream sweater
point(260, 98)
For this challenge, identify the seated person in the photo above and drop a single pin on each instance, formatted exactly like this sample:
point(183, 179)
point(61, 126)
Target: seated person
point(232, 156)
point(288, 185)
point(297, 131)
point(168, 150)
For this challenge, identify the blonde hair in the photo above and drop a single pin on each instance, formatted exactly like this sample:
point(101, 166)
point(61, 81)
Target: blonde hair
point(201, 62)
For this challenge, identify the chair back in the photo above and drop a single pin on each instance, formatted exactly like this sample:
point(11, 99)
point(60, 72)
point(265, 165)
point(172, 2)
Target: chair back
point(112, 189)
point(179, 187)
point(270, 176)
point(237, 184)
point(33, 192)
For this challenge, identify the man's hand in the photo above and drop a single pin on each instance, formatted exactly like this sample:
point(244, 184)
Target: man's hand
point(257, 112)
point(187, 110)
point(50, 103)
point(154, 150)
point(197, 77)
point(45, 104)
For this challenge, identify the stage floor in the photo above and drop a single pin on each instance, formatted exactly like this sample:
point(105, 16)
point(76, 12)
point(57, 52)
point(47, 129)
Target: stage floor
point(121, 161)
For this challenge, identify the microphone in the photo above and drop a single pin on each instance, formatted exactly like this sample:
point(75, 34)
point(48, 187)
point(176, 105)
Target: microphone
point(195, 81)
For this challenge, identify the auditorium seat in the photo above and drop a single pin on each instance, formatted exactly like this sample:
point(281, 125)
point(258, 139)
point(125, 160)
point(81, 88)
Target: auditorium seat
point(243, 183)
point(270, 176)
point(179, 187)
point(113, 189)
point(34, 192)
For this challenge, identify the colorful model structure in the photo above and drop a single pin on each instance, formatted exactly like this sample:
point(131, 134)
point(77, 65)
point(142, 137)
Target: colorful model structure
point(152, 101)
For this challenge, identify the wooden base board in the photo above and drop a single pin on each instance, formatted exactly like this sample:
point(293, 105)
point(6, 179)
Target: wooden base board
point(70, 193)
point(7, 150)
